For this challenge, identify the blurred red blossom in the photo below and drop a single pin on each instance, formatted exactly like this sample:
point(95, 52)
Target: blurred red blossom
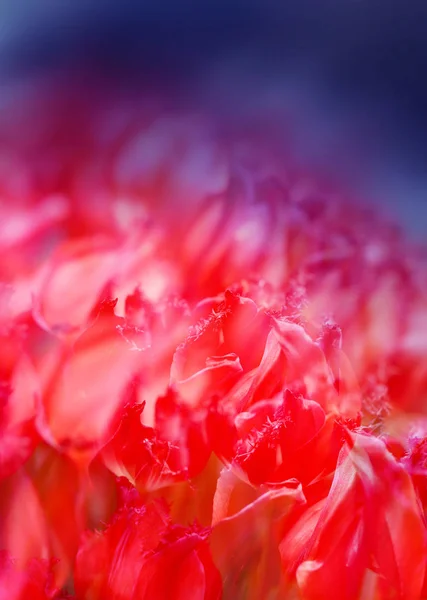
point(213, 382)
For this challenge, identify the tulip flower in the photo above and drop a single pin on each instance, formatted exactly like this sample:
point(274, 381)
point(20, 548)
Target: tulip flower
point(212, 383)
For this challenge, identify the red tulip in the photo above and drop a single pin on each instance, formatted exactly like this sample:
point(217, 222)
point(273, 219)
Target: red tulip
point(367, 538)
point(142, 554)
point(244, 353)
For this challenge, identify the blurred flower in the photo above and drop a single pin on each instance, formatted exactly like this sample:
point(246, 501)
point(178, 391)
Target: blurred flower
point(207, 373)
point(367, 537)
point(142, 555)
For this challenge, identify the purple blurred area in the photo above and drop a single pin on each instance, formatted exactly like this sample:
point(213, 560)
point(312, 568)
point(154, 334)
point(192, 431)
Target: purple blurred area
point(342, 81)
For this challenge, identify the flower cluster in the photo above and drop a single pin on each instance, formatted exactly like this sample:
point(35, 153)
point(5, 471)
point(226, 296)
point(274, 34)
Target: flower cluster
point(212, 385)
